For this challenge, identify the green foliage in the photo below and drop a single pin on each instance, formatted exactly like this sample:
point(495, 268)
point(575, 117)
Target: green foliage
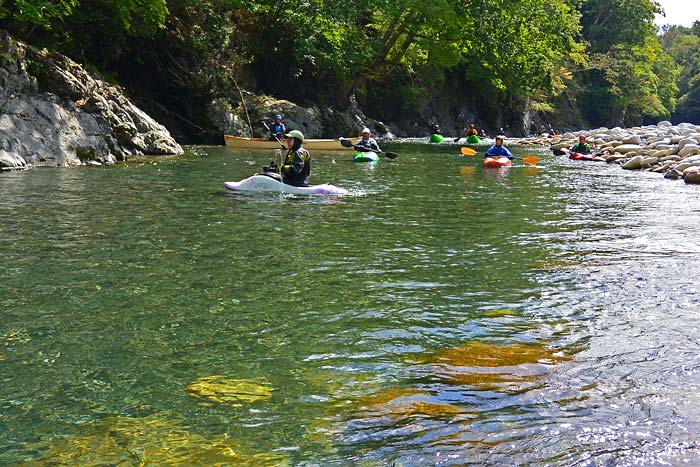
point(38, 13)
point(684, 46)
point(631, 78)
point(128, 16)
point(607, 23)
point(505, 52)
point(689, 104)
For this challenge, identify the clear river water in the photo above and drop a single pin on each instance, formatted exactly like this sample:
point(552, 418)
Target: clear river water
point(442, 315)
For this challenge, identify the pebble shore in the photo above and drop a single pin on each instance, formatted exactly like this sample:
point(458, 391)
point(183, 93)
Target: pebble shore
point(664, 148)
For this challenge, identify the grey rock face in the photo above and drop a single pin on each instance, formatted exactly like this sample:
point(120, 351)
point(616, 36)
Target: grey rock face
point(53, 113)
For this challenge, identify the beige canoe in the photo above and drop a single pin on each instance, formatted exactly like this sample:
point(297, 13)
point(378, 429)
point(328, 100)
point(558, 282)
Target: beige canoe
point(262, 143)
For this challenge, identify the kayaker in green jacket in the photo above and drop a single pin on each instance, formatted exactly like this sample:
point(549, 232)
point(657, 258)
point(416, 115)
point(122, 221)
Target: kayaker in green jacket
point(582, 147)
point(296, 168)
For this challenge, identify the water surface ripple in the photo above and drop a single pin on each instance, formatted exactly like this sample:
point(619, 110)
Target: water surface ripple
point(443, 314)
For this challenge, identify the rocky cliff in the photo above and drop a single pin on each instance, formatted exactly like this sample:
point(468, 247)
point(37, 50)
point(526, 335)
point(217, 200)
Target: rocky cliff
point(53, 113)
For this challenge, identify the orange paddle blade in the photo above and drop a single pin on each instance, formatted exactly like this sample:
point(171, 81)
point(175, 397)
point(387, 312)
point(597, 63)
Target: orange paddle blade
point(467, 151)
point(531, 160)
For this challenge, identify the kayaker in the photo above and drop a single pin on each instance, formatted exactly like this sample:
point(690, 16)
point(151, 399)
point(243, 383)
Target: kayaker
point(471, 131)
point(435, 129)
point(297, 163)
point(277, 129)
point(498, 150)
point(582, 147)
point(367, 141)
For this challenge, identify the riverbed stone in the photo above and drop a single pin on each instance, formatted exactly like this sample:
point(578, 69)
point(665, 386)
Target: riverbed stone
point(693, 176)
point(625, 148)
point(634, 163)
point(673, 174)
point(689, 149)
point(682, 166)
point(649, 161)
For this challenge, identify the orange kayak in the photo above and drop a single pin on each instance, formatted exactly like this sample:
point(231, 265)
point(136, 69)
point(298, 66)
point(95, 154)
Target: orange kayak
point(496, 161)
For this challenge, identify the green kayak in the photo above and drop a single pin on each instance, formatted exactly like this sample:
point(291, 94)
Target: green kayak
point(368, 156)
point(473, 139)
point(435, 138)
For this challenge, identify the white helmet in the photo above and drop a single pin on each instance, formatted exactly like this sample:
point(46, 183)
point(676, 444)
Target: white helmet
point(296, 134)
point(366, 130)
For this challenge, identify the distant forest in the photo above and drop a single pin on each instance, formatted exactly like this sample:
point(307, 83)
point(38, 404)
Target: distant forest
point(574, 62)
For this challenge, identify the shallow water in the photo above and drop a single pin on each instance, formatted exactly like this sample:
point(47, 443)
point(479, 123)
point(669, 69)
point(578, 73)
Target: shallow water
point(443, 314)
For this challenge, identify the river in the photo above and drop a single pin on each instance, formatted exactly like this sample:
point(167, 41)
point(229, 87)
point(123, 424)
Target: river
point(442, 315)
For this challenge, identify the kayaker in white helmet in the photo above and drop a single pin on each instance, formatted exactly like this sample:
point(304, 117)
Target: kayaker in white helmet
point(296, 168)
point(367, 141)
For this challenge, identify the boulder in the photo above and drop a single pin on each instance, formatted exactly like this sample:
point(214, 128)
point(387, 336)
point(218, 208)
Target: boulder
point(689, 149)
point(625, 148)
point(11, 161)
point(673, 174)
point(692, 176)
point(634, 163)
point(62, 116)
point(632, 139)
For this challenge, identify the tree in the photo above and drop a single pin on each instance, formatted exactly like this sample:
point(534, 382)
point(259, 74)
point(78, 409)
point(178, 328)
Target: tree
point(629, 78)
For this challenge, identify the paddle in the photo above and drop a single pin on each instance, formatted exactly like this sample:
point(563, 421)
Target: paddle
point(532, 160)
point(279, 168)
point(276, 138)
point(348, 144)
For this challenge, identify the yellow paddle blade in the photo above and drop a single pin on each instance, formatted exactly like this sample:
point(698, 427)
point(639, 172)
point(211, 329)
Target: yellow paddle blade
point(531, 160)
point(467, 151)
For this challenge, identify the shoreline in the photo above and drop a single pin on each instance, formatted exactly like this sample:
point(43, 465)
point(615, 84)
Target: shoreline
point(664, 148)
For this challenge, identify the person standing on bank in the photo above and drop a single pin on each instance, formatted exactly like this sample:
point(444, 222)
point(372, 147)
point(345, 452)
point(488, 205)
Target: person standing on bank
point(296, 167)
point(498, 150)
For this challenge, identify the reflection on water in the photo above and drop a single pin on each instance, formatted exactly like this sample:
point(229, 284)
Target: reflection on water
point(447, 315)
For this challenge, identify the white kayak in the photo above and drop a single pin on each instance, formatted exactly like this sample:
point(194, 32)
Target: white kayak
point(272, 183)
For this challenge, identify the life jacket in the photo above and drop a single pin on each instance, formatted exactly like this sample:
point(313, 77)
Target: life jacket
point(369, 143)
point(297, 166)
point(499, 151)
point(277, 129)
point(585, 149)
